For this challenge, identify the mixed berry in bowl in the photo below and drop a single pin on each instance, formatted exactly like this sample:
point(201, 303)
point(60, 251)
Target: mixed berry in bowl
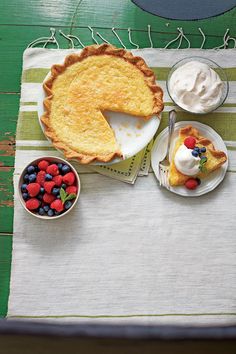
point(49, 187)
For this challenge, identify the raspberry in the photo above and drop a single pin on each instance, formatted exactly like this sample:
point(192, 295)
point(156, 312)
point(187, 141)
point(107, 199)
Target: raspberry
point(190, 142)
point(191, 183)
point(43, 165)
point(33, 189)
point(41, 177)
point(49, 198)
point(53, 170)
point(57, 205)
point(71, 189)
point(48, 186)
point(69, 178)
point(57, 180)
point(32, 204)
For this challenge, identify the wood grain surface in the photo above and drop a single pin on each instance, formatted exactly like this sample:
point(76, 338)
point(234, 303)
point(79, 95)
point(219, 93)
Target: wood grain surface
point(22, 21)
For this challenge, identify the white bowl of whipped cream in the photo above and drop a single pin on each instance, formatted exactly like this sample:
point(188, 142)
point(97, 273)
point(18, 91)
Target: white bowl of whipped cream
point(197, 85)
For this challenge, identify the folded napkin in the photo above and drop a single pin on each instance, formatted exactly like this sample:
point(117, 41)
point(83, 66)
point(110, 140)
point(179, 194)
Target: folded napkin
point(127, 253)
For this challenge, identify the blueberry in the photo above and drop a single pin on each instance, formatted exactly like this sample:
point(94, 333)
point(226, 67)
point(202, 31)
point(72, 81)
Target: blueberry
point(63, 186)
point(26, 177)
point(41, 190)
point(25, 196)
point(40, 197)
point(55, 191)
point(195, 153)
point(198, 181)
point(48, 177)
point(67, 204)
point(57, 212)
point(41, 211)
point(23, 187)
point(58, 196)
point(196, 148)
point(32, 177)
point(30, 169)
point(46, 208)
point(65, 169)
point(59, 165)
point(203, 149)
point(203, 157)
point(36, 169)
point(50, 212)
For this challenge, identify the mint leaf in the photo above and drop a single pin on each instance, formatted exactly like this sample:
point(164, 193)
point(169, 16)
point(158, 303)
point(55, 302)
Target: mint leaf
point(63, 195)
point(202, 166)
point(70, 196)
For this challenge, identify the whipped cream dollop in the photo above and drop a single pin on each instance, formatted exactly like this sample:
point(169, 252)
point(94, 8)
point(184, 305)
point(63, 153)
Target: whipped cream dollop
point(185, 162)
point(196, 87)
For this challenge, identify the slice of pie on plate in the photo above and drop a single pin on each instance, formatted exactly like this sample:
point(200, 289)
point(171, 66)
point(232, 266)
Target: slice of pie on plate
point(100, 78)
point(194, 156)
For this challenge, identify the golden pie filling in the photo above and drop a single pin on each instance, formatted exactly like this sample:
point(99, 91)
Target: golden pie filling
point(79, 93)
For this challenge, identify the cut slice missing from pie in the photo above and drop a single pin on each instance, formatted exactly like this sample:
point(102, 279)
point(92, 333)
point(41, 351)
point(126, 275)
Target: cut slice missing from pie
point(100, 78)
point(193, 156)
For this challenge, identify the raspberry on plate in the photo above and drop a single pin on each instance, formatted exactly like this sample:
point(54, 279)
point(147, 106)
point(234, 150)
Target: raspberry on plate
point(191, 183)
point(190, 142)
point(69, 178)
point(33, 189)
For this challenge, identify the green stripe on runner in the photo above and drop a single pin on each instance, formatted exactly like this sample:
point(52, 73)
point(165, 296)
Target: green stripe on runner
point(28, 103)
point(132, 315)
point(28, 127)
point(36, 75)
point(223, 123)
point(163, 72)
point(231, 148)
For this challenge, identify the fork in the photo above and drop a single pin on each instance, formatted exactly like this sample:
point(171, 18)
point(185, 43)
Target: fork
point(164, 165)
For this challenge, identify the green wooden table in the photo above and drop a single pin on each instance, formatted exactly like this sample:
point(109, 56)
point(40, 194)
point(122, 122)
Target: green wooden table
point(22, 21)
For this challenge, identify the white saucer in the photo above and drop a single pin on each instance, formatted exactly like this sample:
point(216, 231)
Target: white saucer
point(207, 184)
point(132, 133)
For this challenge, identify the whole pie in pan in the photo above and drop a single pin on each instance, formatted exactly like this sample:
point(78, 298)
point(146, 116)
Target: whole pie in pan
point(197, 157)
point(100, 78)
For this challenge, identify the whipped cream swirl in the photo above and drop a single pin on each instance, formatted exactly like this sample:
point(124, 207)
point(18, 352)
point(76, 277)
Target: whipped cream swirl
point(196, 87)
point(185, 162)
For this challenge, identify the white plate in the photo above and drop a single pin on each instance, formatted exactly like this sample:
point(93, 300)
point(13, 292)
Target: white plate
point(132, 133)
point(207, 184)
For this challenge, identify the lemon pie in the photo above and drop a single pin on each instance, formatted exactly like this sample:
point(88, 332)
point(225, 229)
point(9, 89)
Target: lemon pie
point(194, 156)
point(100, 78)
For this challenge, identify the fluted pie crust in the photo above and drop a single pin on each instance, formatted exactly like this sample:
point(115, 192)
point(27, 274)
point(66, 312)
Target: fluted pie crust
point(100, 78)
point(215, 158)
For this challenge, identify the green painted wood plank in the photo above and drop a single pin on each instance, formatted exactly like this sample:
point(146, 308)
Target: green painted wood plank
point(42, 12)
point(6, 201)
point(123, 14)
point(103, 13)
point(5, 270)
point(12, 47)
point(8, 119)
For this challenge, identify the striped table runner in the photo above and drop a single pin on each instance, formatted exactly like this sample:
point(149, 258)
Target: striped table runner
point(127, 253)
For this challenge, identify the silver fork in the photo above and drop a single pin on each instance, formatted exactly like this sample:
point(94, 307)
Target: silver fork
point(164, 165)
